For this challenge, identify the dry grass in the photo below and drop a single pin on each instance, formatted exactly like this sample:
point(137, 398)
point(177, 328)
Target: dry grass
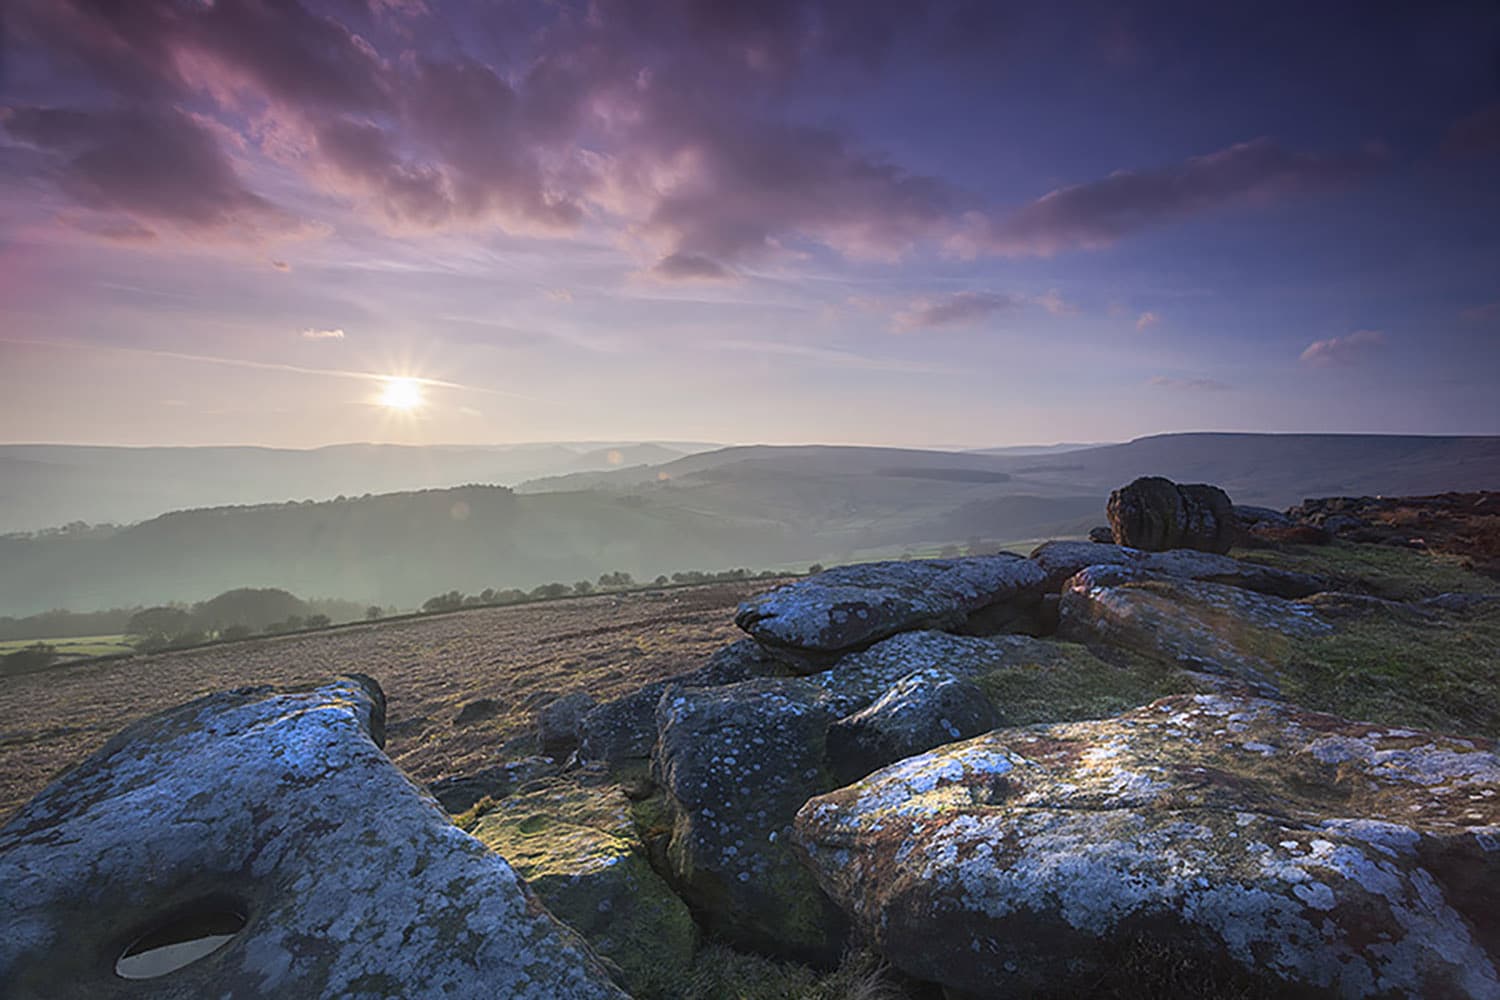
point(606, 645)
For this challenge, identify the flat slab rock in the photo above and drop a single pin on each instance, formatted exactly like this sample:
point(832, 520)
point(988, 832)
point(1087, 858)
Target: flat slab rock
point(1209, 627)
point(1318, 854)
point(1060, 560)
point(849, 607)
point(277, 805)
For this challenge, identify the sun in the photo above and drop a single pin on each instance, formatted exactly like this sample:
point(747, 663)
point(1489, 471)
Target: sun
point(401, 393)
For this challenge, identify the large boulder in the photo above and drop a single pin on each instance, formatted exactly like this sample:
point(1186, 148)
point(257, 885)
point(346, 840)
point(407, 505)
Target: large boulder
point(272, 816)
point(1305, 851)
point(736, 763)
point(577, 847)
point(1060, 560)
point(1202, 627)
point(814, 621)
point(1156, 514)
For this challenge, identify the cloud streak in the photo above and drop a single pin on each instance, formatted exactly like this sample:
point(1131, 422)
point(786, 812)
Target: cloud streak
point(1350, 349)
point(958, 309)
point(1100, 213)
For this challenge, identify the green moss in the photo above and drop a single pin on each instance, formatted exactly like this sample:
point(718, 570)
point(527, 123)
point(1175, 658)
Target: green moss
point(577, 848)
point(1075, 684)
point(1434, 674)
point(1389, 571)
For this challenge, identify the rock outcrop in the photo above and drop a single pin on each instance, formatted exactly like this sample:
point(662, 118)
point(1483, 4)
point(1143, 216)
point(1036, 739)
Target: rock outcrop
point(812, 622)
point(277, 808)
point(559, 723)
point(1311, 852)
point(1156, 514)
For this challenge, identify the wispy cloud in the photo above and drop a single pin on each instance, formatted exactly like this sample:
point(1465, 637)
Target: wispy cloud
point(315, 334)
point(1055, 304)
point(957, 309)
point(831, 356)
point(1487, 313)
point(270, 366)
point(1190, 384)
point(1147, 319)
point(1349, 349)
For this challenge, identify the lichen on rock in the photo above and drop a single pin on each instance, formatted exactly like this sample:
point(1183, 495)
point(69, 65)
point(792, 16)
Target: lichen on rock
point(1308, 850)
point(280, 805)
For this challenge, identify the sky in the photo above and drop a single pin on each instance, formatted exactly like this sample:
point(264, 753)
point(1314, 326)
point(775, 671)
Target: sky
point(939, 224)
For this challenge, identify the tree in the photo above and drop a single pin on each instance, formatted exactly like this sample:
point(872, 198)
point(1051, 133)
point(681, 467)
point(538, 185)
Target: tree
point(661, 581)
point(256, 607)
point(551, 590)
point(160, 622)
point(451, 601)
point(373, 612)
point(616, 579)
point(814, 569)
point(235, 632)
point(317, 621)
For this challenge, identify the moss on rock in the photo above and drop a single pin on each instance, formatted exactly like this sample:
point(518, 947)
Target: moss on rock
point(577, 848)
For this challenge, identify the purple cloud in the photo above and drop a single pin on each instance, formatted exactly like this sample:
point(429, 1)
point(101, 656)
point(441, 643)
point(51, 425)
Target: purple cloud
point(156, 167)
point(1476, 135)
point(648, 120)
point(1487, 313)
point(1349, 349)
point(957, 309)
point(1099, 213)
point(1147, 319)
point(690, 267)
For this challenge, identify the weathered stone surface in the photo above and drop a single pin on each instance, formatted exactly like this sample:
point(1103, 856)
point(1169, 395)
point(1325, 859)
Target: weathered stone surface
point(282, 807)
point(1155, 514)
point(576, 846)
point(737, 762)
point(1317, 853)
point(559, 723)
point(1061, 560)
point(1103, 533)
point(1197, 626)
point(812, 622)
point(621, 732)
point(920, 711)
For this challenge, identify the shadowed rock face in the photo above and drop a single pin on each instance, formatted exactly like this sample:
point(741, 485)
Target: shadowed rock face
point(812, 622)
point(278, 806)
point(1156, 514)
point(1317, 853)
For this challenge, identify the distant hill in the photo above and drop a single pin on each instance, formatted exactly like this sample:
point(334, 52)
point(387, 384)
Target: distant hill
point(44, 486)
point(1279, 469)
point(755, 506)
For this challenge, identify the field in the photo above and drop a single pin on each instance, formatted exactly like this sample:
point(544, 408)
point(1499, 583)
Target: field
point(429, 667)
point(73, 646)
